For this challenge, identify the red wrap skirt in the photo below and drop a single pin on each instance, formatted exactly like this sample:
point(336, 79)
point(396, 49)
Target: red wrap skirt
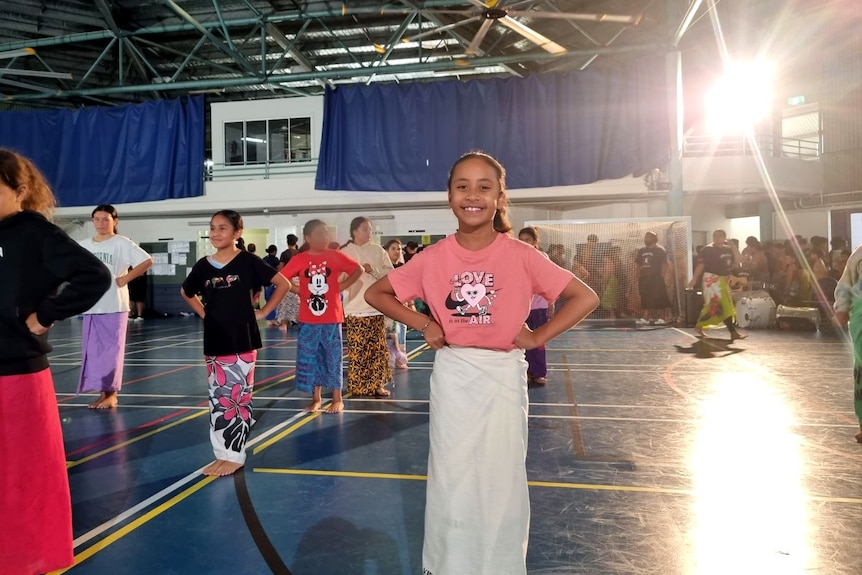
point(35, 505)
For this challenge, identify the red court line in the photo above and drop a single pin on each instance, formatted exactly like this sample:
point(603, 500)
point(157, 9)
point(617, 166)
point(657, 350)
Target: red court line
point(668, 378)
point(170, 371)
point(143, 426)
point(120, 434)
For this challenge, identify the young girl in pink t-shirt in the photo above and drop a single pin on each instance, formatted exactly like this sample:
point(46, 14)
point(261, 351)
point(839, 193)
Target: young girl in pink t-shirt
point(478, 284)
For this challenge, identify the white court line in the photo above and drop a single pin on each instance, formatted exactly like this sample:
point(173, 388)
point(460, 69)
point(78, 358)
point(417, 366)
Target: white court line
point(133, 344)
point(132, 511)
point(411, 412)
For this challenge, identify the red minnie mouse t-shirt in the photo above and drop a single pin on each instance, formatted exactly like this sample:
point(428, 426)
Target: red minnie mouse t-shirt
point(319, 289)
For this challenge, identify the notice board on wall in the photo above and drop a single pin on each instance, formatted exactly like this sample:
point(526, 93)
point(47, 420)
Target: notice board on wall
point(172, 261)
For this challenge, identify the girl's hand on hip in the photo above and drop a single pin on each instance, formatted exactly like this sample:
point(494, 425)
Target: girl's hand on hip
point(434, 336)
point(526, 339)
point(35, 327)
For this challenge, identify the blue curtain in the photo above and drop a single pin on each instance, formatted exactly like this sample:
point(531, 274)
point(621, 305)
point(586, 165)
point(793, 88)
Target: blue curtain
point(547, 130)
point(135, 153)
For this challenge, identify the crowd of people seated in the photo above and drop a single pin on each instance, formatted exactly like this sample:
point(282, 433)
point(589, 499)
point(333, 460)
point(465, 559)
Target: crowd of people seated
point(795, 272)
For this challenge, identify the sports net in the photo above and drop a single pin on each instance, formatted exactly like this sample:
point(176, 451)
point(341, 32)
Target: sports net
point(603, 253)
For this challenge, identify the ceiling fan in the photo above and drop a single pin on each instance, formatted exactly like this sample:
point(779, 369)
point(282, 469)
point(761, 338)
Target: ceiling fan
point(491, 12)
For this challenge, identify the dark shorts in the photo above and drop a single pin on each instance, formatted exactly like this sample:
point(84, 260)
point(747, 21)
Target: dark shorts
point(138, 289)
point(653, 293)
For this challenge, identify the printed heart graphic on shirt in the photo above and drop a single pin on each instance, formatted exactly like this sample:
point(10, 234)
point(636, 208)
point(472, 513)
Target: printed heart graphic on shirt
point(473, 294)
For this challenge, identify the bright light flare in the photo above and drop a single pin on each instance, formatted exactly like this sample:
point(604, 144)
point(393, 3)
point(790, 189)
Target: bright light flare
point(740, 99)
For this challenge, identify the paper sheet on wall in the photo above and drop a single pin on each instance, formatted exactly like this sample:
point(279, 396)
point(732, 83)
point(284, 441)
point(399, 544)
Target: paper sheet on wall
point(161, 259)
point(179, 259)
point(178, 247)
point(164, 269)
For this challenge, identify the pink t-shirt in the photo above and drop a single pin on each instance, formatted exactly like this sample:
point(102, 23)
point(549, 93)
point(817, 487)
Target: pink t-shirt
point(480, 298)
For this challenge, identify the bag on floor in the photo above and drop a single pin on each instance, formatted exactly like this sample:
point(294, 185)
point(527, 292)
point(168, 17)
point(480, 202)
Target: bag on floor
point(693, 306)
point(797, 318)
point(755, 310)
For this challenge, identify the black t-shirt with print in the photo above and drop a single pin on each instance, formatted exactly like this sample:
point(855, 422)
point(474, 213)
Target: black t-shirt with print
point(651, 259)
point(229, 325)
point(717, 260)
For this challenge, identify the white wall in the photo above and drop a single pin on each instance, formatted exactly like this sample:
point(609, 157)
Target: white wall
point(741, 228)
point(274, 109)
point(738, 173)
point(430, 221)
point(806, 223)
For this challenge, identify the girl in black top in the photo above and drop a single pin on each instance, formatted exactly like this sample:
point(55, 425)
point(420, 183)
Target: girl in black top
point(227, 280)
point(35, 258)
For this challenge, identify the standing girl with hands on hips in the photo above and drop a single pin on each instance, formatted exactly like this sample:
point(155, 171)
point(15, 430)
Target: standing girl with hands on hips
point(478, 284)
point(36, 257)
point(105, 324)
point(227, 281)
point(319, 351)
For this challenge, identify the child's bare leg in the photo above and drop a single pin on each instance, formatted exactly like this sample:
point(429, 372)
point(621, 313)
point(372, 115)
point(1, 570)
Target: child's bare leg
point(315, 401)
point(337, 405)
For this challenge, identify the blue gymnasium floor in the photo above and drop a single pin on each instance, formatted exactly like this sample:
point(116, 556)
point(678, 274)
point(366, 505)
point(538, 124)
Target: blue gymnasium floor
point(649, 454)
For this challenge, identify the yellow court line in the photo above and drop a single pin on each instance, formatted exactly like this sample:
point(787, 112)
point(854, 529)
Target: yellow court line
point(276, 438)
point(165, 427)
point(120, 533)
point(312, 416)
point(156, 511)
point(324, 473)
point(545, 484)
point(126, 443)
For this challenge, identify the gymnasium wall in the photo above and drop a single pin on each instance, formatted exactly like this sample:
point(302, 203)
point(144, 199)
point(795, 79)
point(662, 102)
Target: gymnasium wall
point(281, 204)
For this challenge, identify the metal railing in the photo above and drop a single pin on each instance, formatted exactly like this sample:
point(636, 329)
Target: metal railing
point(260, 171)
point(738, 145)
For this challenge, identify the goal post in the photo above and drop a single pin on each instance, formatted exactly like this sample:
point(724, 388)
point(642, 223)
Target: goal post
point(604, 252)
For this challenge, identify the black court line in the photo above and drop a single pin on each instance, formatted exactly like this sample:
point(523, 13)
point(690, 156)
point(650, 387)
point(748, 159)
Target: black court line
point(255, 527)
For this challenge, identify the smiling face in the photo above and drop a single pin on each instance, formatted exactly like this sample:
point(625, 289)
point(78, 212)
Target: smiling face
point(394, 252)
point(222, 233)
point(362, 234)
point(104, 223)
point(474, 194)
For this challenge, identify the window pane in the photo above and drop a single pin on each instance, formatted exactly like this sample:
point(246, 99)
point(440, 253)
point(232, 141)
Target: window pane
point(233, 144)
point(300, 139)
point(279, 140)
point(255, 142)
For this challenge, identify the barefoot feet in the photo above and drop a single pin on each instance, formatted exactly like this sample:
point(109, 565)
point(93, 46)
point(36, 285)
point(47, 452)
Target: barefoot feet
point(107, 400)
point(221, 468)
point(313, 406)
point(335, 407)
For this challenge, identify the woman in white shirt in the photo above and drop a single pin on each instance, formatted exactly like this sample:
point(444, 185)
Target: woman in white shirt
point(368, 369)
point(104, 334)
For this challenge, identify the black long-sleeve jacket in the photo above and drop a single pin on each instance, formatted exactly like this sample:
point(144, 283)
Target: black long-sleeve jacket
point(37, 258)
